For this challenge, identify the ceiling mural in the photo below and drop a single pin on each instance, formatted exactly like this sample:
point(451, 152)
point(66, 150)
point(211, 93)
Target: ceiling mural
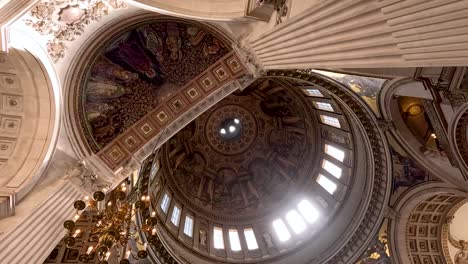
point(367, 88)
point(138, 70)
point(265, 158)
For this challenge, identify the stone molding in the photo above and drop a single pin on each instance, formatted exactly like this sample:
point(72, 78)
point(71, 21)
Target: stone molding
point(446, 236)
point(458, 138)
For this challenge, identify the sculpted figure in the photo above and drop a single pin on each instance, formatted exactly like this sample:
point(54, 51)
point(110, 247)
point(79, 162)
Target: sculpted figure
point(202, 237)
point(268, 240)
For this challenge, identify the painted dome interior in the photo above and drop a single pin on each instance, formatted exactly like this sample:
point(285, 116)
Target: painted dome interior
point(138, 69)
point(268, 156)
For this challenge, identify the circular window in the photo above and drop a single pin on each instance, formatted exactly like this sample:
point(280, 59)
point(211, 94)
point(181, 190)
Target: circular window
point(230, 129)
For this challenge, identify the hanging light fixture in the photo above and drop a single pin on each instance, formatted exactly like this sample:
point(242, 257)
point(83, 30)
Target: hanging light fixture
point(115, 227)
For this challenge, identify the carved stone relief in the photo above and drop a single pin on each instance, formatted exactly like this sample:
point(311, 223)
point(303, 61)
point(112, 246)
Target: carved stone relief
point(65, 20)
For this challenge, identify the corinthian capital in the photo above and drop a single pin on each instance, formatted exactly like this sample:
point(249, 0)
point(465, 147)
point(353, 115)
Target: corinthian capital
point(249, 59)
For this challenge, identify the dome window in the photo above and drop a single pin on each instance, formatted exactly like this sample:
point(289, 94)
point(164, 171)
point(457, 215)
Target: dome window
point(165, 203)
point(230, 129)
point(296, 222)
point(314, 92)
point(250, 239)
point(326, 183)
point(175, 215)
point(331, 121)
point(324, 106)
point(281, 230)
point(218, 241)
point(308, 211)
point(234, 240)
point(332, 168)
point(336, 153)
point(188, 226)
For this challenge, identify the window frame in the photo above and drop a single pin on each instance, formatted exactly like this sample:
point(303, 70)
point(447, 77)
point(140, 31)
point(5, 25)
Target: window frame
point(176, 208)
point(188, 216)
point(218, 230)
point(165, 203)
point(250, 230)
point(327, 180)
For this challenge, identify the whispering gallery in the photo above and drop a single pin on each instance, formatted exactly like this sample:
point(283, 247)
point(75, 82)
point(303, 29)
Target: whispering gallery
point(234, 131)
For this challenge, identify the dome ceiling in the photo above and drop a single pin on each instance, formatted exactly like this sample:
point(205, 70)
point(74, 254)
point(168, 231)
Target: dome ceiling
point(140, 68)
point(246, 154)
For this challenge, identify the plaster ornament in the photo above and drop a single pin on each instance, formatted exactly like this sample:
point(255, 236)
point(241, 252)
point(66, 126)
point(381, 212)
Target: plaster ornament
point(461, 257)
point(64, 20)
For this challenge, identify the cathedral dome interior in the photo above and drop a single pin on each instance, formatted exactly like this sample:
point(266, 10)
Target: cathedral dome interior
point(241, 131)
point(260, 175)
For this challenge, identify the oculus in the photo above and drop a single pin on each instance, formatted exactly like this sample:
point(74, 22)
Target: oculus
point(230, 129)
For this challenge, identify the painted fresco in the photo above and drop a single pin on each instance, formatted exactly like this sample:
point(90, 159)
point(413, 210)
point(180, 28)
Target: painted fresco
point(366, 87)
point(406, 171)
point(138, 70)
point(378, 251)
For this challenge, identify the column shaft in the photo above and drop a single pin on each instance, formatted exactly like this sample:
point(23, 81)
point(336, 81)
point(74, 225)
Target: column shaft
point(32, 240)
point(369, 33)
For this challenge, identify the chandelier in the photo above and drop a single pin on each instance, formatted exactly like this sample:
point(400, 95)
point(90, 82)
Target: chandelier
point(115, 227)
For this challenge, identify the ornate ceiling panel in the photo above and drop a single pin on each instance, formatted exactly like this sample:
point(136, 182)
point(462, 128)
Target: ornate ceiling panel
point(247, 174)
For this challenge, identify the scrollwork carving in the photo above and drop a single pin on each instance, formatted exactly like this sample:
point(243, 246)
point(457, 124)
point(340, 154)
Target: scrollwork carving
point(64, 20)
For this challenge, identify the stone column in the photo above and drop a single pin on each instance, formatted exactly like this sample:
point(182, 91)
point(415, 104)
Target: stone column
point(32, 240)
point(368, 34)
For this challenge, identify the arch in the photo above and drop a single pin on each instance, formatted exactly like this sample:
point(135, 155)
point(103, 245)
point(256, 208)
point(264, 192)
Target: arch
point(29, 123)
point(404, 208)
point(458, 137)
point(77, 71)
point(401, 133)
